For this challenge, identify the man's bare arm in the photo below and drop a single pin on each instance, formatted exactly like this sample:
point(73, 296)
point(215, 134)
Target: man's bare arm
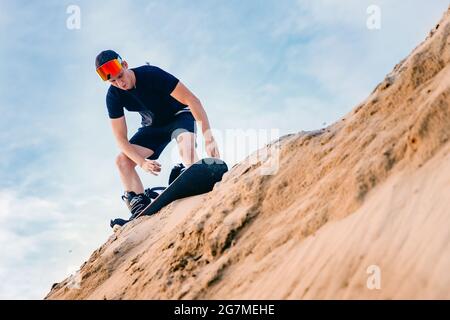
point(119, 127)
point(185, 96)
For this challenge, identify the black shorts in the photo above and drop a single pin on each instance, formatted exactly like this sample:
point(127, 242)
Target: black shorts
point(157, 138)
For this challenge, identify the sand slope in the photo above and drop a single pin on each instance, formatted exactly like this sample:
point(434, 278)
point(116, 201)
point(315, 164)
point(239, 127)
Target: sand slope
point(370, 190)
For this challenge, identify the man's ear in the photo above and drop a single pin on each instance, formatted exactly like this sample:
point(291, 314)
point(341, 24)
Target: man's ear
point(124, 64)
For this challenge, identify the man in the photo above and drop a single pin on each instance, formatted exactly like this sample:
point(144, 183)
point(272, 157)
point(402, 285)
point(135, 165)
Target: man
point(168, 110)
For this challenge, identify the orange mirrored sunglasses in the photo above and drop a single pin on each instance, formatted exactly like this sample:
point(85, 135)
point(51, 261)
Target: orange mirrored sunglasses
point(110, 69)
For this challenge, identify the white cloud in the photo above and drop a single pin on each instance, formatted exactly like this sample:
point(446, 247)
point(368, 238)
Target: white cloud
point(344, 58)
point(41, 239)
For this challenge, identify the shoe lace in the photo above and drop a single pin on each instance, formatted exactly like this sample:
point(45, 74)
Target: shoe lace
point(136, 201)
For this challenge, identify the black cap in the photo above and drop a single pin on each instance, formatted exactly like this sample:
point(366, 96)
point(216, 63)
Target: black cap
point(105, 56)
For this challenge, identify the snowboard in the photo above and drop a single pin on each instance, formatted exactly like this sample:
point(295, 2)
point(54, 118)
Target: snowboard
point(199, 178)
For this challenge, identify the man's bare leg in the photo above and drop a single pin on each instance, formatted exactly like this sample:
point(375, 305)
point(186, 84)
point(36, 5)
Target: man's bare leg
point(128, 174)
point(186, 147)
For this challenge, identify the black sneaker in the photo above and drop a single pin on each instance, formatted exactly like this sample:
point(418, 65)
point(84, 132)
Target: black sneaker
point(153, 193)
point(176, 171)
point(135, 202)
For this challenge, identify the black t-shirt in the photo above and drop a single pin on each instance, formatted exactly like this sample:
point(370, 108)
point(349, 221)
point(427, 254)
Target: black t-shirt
point(151, 97)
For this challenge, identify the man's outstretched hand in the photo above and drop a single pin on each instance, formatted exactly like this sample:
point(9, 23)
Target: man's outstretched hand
point(151, 166)
point(211, 148)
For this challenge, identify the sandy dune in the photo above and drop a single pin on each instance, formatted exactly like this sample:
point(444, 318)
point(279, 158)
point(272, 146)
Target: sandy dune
point(370, 192)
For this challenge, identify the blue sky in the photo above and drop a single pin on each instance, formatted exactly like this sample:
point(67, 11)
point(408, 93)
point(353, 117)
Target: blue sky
point(286, 65)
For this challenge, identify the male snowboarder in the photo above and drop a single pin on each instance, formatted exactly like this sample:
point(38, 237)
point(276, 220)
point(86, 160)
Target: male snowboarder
point(169, 111)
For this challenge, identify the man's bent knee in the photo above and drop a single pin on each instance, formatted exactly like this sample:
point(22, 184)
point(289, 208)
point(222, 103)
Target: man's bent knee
point(124, 163)
point(186, 138)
